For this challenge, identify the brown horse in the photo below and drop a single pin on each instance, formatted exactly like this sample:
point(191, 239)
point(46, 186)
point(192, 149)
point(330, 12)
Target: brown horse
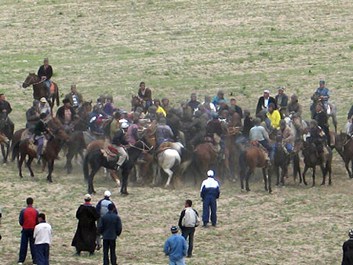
point(344, 146)
point(40, 90)
point(204, 158)
point(136, 102)
point(82, 122)
point(251, 158)
point(313, 159)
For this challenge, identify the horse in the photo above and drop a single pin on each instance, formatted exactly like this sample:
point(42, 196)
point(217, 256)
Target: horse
point(82, 122)
point(281, 159)
point(8, 130)
point(75, 146)
point(331, 110)
point(167, 159)
point(136, 103)
point(50, 153)
point(4, 140)
point(313, 159)
point(344, 147)
point(251, 158)
point(95, 159)
point(40, 90)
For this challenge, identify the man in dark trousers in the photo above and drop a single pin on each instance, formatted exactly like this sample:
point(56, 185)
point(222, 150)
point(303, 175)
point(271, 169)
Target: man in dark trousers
point(45, 72)
point(28, 219)
point(110, 227)
point(348, 250)
point(187, 222)
point(209, 194)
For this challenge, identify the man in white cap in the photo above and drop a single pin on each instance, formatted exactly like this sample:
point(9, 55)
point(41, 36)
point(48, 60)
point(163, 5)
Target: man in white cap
point(264, 101)
point(209, 193)
point(102, 209)
point(44, 106)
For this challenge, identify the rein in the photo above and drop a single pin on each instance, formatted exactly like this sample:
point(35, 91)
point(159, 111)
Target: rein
point(144, 148)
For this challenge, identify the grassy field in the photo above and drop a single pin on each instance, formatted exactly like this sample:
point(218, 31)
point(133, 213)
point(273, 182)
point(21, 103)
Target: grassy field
point(179, 47)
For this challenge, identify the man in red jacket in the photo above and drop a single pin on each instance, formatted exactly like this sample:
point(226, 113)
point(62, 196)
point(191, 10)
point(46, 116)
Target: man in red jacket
point(28, 219)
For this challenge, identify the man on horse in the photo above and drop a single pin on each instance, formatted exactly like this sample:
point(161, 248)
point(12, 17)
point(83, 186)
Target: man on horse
point(274, 116)
point(145, 95)
point(45, 72)
point(287, 136)
point(40, 130)
point(281, 101)
point(118, 143)
point(265, 101)
point(66, 114)
point(75, 97)
point(321, 118)
point(322, 94)
point(5, 110)
point(214, 131)
point(317, 137)
point(163, 132)
point(44, 106)
point(32, 116)
point(294, 108)
point(259, 134)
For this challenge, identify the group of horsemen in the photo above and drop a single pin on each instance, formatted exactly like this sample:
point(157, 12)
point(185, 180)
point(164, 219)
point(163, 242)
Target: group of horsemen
point(192, 123)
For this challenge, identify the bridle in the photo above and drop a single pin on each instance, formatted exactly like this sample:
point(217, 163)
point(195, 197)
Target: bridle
point(33, 84)
point(145, 148)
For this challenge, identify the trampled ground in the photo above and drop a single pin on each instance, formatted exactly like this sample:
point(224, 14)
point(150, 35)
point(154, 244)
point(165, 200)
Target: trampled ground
point(178, 47)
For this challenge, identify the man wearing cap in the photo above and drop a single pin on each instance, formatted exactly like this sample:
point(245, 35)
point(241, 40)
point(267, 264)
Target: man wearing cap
point(209, 193)
point(45, 72)
point(175, 247)
point(119, 142)
point(323, 92)
point(28, 221)
point(163, 132)
point(281, 101)
point(102, 209)
point(40, 129)
point(110, 227)
point(264, 101)
point(193, 103)
point(44, 106)
point(66, 114)
point(347, 248)
point(85, 236)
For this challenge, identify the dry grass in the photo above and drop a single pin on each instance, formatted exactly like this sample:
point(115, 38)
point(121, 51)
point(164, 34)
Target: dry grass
point(178, 47)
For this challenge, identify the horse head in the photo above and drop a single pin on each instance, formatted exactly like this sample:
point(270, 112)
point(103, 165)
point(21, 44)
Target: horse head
point(4, 139)
point(31, 79)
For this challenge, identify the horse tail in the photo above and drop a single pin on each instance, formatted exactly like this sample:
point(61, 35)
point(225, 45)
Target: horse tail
point(86, 166)
point(15, 148)
point(57, 96)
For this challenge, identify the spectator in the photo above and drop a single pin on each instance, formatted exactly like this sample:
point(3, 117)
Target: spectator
point(281, 101)
point(28, 220)
point(102, 209)
point(85, 236)
point(42, 240)
point(209, 193)
point(193, 103)
point(347, 248)
point(110, 227)
point(175, 247)
point(188, 220)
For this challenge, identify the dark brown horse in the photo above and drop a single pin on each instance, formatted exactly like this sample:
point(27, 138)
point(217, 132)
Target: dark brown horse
point(312, 159)
point(40, 90)
point(136, 102)
point(251, 158)
point(344, 146)
point(82, 122)
point(7, 129)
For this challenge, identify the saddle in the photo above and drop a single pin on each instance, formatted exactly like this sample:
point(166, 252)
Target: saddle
point(164, 146)
point(261, 147)
point(110, 152)
point(52, 88)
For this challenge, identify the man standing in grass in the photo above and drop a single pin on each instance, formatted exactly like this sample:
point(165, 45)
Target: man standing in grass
point(28, 219)
point(42, 240)
point(110, 227)
point(175, 247)
point(209, 194)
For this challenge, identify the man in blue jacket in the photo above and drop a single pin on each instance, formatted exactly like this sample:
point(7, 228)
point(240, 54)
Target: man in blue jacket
point(110, 227)
point(209, 194)
point(175, 247)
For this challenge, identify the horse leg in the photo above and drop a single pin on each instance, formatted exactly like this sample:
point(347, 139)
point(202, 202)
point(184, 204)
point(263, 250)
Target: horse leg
point(28, 164)
point(329, 170)
point(19, 163)
point(170, 175)
point(94, 171)
point(267, 180)
point(334, 121)
point(124, 177)
point(50, 170)
point(346, 164)
point(304, 172)
point(249, 173)
point(314, 171)
point(68, 164)
point(277, 173)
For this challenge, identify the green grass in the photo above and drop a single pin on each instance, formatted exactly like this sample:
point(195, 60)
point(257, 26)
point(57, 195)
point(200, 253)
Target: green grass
point(178, 47)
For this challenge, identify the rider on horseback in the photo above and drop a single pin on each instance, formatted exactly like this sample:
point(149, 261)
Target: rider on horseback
point(145, 95)
point(322, 94)
point(287, 136)
point(118, 142)
point(66, 114)
point(214, 130)
point(32, 116)
point(39, 134)
point(45, 72)
point(74, 97)
point(163, 132)
point(259, 134)
point(5, 110)
point(317, 137)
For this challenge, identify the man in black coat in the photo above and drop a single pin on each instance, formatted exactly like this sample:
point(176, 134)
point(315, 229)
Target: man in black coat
point(348, 250)
point(281, 101)
point(110, 227)
point(264, 101)
point(45, 72)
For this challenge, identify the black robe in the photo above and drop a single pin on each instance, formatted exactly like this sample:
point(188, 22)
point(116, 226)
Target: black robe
point(85, 236)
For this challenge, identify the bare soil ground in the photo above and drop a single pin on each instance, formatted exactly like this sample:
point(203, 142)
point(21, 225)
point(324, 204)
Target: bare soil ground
point(178, 47)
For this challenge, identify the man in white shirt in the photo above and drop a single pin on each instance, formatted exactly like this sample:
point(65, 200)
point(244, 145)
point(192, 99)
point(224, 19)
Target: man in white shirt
point(209, 193)
point(42, 240)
